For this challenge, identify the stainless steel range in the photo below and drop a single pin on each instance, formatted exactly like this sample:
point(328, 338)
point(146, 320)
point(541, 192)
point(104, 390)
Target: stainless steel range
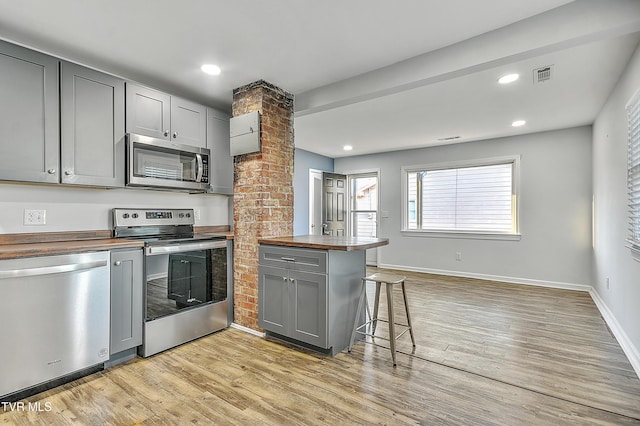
point(188, 281)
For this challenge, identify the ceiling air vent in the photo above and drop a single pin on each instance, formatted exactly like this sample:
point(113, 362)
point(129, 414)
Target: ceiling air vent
point(543, 74)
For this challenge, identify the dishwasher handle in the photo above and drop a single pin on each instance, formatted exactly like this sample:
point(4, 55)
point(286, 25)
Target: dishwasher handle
point(49, 270)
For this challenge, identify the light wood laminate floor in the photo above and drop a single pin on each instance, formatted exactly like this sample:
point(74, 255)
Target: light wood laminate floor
point(487, 353)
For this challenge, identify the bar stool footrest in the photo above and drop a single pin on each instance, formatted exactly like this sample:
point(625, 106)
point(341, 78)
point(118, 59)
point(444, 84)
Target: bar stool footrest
point(406, 328)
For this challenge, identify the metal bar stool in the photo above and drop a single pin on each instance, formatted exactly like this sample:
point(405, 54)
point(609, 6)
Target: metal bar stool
point(389, 280)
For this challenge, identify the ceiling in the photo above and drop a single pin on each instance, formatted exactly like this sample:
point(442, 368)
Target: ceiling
point(375, 74)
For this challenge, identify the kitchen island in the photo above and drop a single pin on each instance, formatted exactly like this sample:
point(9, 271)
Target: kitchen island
point(308, 288)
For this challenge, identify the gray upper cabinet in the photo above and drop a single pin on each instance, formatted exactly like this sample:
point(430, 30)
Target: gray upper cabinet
point(221, 170)
point(148, 112)
point(159, 115)
point(188, 122)
point(29, 149)
point(92, 125)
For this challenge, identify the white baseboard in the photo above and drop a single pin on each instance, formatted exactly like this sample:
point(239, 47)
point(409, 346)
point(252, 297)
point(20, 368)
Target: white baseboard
point(247, 330)
point(512, 280)
point(632, 353)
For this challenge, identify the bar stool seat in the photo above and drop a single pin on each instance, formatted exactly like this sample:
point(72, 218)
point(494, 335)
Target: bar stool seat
point(389, 280)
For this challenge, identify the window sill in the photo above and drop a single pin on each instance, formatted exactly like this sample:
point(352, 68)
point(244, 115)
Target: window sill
point(635, 251)
point(461, 235)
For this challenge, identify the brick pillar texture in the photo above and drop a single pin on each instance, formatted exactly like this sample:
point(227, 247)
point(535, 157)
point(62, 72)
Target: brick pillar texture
point(262, 188)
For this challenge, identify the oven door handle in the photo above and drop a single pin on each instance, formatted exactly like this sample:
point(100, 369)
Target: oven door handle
point(183, 247)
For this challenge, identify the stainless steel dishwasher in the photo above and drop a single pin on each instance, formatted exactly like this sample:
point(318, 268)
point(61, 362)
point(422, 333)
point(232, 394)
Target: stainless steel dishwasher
point(54, 316)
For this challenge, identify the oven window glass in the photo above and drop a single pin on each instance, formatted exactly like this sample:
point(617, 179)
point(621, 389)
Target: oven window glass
point(183, 280)
point(162, 163)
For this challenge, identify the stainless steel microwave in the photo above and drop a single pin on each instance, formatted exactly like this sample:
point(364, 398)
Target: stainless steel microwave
point(156, 163)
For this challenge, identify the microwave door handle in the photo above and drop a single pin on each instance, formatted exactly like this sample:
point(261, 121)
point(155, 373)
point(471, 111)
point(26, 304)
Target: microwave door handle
point(200, 168)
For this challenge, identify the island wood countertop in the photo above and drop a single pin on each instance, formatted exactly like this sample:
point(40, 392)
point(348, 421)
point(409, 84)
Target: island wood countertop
point(326, 242)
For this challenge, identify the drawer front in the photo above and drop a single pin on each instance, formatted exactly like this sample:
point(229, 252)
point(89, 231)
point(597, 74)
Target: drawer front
point(296, 259)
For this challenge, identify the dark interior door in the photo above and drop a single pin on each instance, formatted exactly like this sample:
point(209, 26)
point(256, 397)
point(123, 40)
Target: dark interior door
point(334, 204)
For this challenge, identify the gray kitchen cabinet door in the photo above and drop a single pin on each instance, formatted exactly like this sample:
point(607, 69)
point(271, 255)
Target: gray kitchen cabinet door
point(29, 120)
point(273, 297)
point(148, 112)
point(188, 122)
point(221, 162)
point(126, 300)
point(308, 301)
point(92, 118)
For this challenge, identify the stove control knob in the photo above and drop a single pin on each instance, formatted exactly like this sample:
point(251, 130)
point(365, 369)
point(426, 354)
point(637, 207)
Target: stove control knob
point(188, 214)
point(125, 216)
point(181, 215)
point(135, 215)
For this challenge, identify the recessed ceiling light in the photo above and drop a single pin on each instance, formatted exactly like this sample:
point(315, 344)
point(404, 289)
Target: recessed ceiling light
point(518, 123)
point(509, 78)
point(347, 147)
point(210, 69)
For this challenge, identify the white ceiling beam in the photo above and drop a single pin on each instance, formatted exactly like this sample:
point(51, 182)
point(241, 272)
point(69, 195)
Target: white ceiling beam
point(579, 22)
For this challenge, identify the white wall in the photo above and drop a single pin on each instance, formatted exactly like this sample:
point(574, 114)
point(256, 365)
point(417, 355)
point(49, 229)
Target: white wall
point(77, 209)
point(621, 302)
point(555, 211)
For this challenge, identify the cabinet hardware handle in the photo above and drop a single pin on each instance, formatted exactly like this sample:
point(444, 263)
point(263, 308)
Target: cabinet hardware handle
point(289, 259)
point(51, 171)
point(175, 135)
point(117, 263)
point(166, 133)
point(284, 278)
point(68, 172)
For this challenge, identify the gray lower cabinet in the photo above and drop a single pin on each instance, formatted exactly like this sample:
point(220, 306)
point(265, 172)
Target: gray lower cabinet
point(92, 127)
point(126, 300)
point(294, 304)
point(159, 115)
point(29, 118)
point(309, 295)
point(221, 170)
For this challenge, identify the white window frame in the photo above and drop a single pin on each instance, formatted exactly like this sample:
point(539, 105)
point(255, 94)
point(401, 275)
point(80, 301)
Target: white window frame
point(633, 144)
point(511, 236)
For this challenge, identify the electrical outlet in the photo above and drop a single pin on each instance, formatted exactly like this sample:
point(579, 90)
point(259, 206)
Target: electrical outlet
point(196, 214)
point(458, 255)
point(35, 217)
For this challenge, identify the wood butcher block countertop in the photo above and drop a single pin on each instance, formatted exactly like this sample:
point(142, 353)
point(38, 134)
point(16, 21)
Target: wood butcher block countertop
point(47, 248)
point(13, 246)
point(326, 242)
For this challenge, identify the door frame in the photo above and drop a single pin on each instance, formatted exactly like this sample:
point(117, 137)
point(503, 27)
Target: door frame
point(373, 256)
point(312, 207)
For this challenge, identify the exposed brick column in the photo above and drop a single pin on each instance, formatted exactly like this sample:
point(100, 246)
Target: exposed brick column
point(262, 188)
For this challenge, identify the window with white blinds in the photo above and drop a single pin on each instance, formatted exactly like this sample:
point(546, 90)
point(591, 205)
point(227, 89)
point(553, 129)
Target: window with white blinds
point(470, 198)
point(633, 170)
